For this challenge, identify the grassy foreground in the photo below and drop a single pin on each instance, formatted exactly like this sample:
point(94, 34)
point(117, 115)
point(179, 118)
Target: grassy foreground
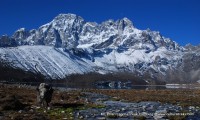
point(184, 97)
point(19, 103)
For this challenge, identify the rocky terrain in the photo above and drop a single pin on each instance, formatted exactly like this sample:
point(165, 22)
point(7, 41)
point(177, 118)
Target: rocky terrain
point(18, 102)
point(70, 45)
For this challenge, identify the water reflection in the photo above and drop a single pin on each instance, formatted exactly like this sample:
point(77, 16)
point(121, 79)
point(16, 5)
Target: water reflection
point(108, 85)
point(124, 85)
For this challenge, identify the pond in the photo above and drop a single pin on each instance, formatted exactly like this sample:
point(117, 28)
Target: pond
point(108, 85)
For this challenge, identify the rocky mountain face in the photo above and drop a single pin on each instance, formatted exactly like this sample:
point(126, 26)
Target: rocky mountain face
point(69, 45)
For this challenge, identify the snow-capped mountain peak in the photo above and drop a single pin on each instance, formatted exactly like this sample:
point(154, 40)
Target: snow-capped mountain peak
point(70, 31)
point(112, 46)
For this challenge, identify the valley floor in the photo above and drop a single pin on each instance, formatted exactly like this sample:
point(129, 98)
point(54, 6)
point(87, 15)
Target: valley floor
point(18, 102)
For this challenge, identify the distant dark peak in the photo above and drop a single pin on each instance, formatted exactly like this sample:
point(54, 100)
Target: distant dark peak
point(6, 41)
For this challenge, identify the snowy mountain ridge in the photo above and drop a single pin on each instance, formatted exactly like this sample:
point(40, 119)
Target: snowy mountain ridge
point(70, 30)
point(68, 45)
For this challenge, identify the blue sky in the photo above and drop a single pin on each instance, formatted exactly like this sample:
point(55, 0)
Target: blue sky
point(176, 19)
